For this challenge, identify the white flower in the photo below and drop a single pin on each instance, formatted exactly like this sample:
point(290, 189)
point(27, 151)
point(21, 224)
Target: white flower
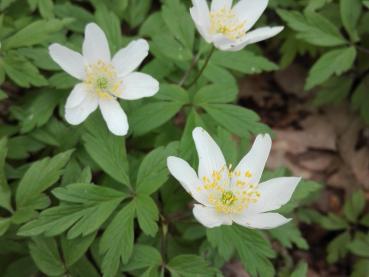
point(227, 196)
point(227, 27)
point(104, 79)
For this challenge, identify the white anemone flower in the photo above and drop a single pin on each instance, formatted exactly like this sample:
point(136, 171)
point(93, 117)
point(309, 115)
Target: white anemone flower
point(228, 27)
point(104, 79)
point(227, 196)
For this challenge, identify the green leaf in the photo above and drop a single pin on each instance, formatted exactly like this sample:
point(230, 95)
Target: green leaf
point(117, 241)
point(21, 71)
point(107, 150)
point(301, 270)
point(360, 245)
point(82, 268)
point(189, 265)
point(46, 8)
point(335, 90)
point(334, 62)
point(74, 249)
point(254, 251)
point(37, 32)
point(338, 247)
point(288, 235)
point(4, 187)
point(137, 11)
point(80, 15)
point(153, 171)
point(350, 11)
point(171, 48)
point(354, 206)
point(236, 119)
point(243, 61)
point(173, 93)
point(360, 99)
point(179, 22)
point(147, 214)
point(361, 267)
point(333, 222)
point(313, 28)
point(143, 256)
point(110, 23)
point(216, 93)
point(84, 208)
point(39, 177)
point(45, 253)
point(4, 225)
point(152, 115)
point(366, 3)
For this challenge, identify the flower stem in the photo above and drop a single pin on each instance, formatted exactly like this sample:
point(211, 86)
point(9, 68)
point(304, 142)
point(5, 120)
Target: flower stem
point(195, 59)
point(203, 67)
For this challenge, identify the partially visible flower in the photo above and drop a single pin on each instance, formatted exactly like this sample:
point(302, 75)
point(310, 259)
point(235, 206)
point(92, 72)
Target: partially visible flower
point(104, 79)
point(227, 196)
point(228, 27)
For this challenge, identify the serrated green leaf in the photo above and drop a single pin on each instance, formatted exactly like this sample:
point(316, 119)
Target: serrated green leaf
point(143, 256)
point(152, 115)
point(45, 253)
point(338, 247)
point(252, 248)
point(335, 90)
point(21, 71)
point(301, 270)
point(350, 11)
point(117, 241)
point(173, 93)
point(361, 267)
point(313, 28)
point(4, 225)
point(107, 150)
point(179, 22)
point(354, 206)
point(360, 245)
point(4, 187)
point(153, 171)
point(236, 119)
point(216, 93)
point(39, 177)
point(84, 208)
point(189, 265)
point(80, 15)
point(147, 214)
point(333, 222)
point(46, 8)
point(334, 62)
point(243, 61)
point(74, 249)
point(289, 235)
point(360, 98)
point(37, 32)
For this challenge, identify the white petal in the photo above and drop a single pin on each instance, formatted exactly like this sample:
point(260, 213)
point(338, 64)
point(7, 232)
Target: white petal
point(262, 221)
point(255, 36)
point(222, 42)
point(129, 58)
point(187, 177)
point(254, 161)
point(138, 85)
point(70, 61)
point(219, 4)
point(95, 46)
point(77, 95)
point(209, 217)
point(275, 193)
point(201, 17)
point(114, 116)
point(79, 113)
point(210, 156)
point(250, 11)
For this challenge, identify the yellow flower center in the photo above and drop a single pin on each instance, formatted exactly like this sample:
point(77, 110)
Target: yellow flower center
point(102, 79)
point(226, 22)
point(226, 197)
